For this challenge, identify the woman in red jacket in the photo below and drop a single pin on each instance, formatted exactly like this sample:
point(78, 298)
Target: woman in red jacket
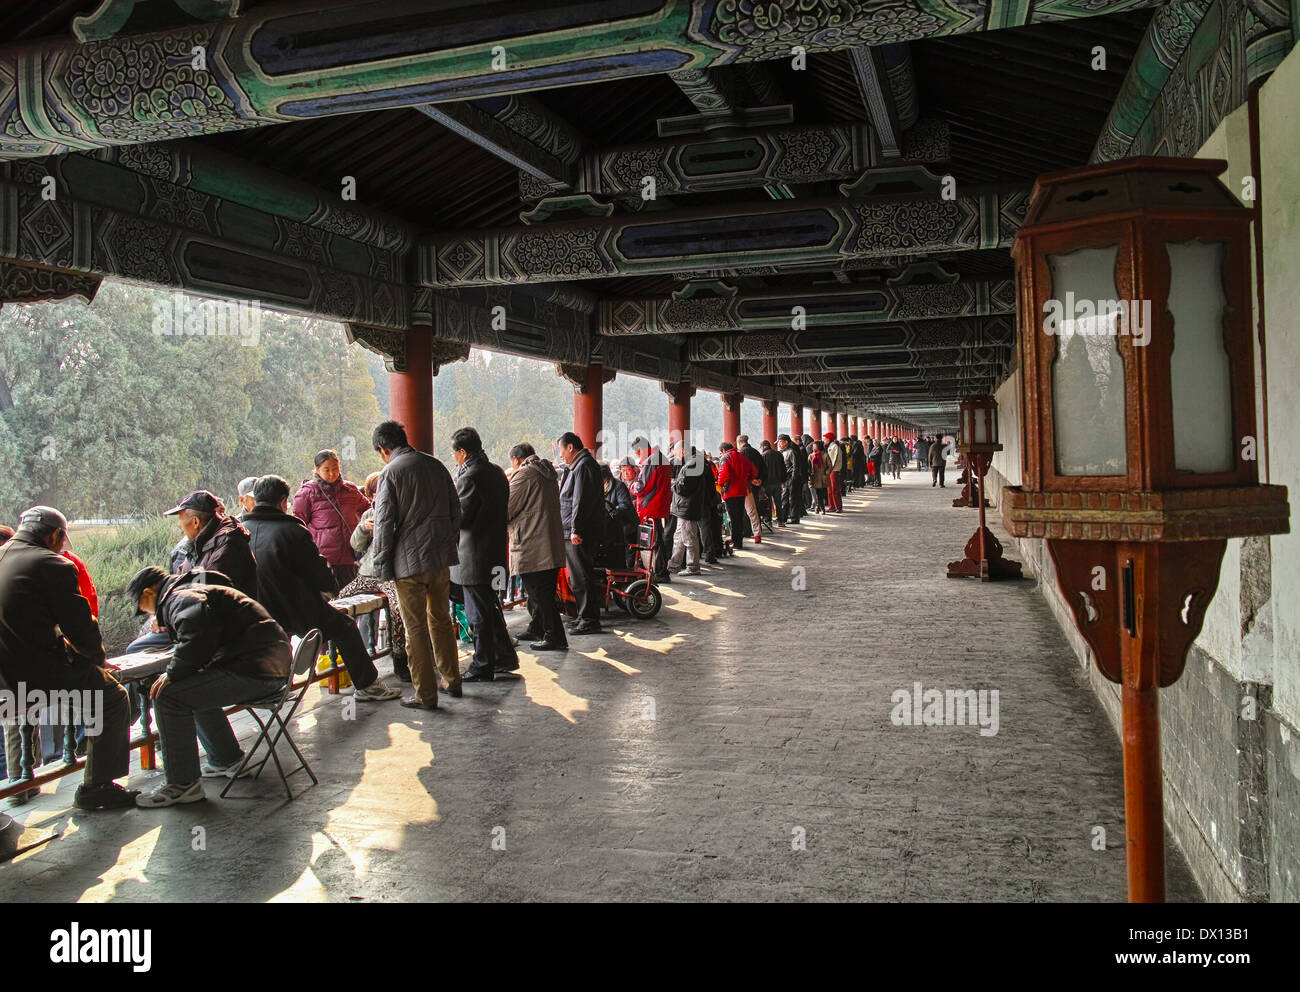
point(735, 473)
point(331, 508)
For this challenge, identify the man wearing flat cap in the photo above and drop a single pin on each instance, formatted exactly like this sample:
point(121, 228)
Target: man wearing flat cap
point(49, 641)
point(218, 542)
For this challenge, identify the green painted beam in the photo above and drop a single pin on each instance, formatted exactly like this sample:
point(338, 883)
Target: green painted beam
point(294, 61)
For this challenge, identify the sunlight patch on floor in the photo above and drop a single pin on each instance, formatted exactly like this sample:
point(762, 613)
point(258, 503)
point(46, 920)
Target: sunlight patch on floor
point(661, 645)
point(133, 854)
point(600, 654)
point(542, 688)
point(674, 600)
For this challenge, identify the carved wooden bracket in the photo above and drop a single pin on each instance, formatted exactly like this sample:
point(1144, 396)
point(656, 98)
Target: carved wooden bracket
point(22, 283)
point(388, 344)
point(576, 375)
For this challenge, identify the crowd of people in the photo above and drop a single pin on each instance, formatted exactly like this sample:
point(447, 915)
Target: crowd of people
point(235, 588)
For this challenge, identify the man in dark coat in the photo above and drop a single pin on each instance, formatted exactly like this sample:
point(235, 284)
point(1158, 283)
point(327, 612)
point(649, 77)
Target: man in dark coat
point(217, 542)
point(295, 585)
point(49, 642)
point(484, 494)
point(583, 518)
point(774, 475)
point(226, 650)
point(796, 463)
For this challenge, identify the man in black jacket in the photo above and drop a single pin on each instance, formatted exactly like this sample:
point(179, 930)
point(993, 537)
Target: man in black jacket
point(688, 509)
point(796, 477)
point(49, 642)
point(751, 497)
point(217, 542)
point(295, 585)
point(582, 516)
point(484, 493)
point(227, 651)
point(774, 475)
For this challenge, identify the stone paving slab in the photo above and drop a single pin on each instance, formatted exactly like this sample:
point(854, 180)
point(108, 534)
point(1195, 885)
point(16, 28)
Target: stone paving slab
point(737, 747)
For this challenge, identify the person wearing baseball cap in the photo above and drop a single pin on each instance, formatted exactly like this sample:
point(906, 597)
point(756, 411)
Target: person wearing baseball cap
point(49, 641)
point(244, 494)
point(218, 542)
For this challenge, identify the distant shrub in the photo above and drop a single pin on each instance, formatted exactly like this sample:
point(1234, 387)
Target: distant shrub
point(113, 554)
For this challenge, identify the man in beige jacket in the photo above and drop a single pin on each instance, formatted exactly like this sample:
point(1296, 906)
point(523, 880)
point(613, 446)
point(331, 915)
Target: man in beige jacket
point(537, 544)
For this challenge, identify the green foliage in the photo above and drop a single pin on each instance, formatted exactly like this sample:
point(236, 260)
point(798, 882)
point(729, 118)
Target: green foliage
point(113, 555)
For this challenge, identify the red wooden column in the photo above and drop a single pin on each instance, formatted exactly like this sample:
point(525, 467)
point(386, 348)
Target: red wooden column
point(731, 416)
point(828, 423)
point(853, 426)
point(796, 420)
point(842, 425)
point(815, 425)
point(589, 407)
point(410, 392)
point(679, 411)
point(770, 429)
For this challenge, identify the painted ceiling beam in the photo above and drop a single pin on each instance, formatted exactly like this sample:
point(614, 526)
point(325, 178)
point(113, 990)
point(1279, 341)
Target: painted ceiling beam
point(826, 231)
point(780, 155)
point(294, 61)
point(854, 342)
point(888, 90)
point(727, 309)
point(105, 220)
point(206, 170)
point(1196, 64)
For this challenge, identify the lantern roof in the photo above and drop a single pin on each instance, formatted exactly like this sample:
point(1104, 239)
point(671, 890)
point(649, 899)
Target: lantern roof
point(1128, 187)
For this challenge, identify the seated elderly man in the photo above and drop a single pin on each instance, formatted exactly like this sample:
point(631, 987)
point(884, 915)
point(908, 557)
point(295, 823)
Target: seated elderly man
point(49, 641)
point(227, 650)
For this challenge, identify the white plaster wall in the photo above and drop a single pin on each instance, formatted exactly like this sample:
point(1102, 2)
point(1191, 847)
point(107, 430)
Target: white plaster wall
point(1279, 118)
point(1007, 461)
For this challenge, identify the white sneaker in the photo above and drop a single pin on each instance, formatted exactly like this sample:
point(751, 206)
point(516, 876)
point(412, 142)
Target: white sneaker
point(172, 795)
point(377, 692)
point(210, 770)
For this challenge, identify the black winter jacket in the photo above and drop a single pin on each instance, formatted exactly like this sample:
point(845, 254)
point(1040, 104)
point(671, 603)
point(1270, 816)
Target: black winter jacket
point(38, 591)
point(484, 493)
point(222, 546)
point(774, 477)
point(215, 626)
point(688, 489)
point(581, 495)
point(750, 452)
point(291, 573)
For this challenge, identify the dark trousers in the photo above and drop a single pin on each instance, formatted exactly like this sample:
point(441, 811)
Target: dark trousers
point(711, 533)
point(665, 529)
point(793, 500)
point(107, 754)
point(493, 651)
point(540, 587)
point(774, 504)
point(582, 576)
point(198, 701)
point(936, 473)
point(342, 631)
point(739, 519)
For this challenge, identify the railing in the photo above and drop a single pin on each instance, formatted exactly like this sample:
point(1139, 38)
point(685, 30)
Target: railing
point(147, 741)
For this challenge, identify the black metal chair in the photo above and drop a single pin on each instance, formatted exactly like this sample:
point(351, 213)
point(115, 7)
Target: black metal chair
point(304, 664)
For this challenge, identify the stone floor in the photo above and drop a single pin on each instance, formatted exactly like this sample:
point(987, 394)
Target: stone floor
point(737, 747)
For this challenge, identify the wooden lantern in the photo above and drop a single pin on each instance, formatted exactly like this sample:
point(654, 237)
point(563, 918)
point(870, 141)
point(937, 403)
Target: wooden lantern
point(1138, 428)
point(977, 439)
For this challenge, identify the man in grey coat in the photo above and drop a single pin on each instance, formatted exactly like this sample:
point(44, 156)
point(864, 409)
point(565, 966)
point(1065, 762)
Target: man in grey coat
point(537, 543)
point(417, 528)
point(481, 573)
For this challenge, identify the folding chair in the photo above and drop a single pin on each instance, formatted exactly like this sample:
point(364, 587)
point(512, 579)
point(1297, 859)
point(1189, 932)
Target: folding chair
point(304, 663)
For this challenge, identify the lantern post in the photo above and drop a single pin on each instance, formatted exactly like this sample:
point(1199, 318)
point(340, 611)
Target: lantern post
point(1138, 402)
point(977, 439)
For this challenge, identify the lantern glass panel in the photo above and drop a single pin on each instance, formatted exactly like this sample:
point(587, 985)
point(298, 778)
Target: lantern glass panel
point(982, 425)
point(1199, 372)
point(1088, 372)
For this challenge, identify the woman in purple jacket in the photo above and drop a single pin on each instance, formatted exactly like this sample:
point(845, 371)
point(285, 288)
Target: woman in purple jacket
point(331, 507)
